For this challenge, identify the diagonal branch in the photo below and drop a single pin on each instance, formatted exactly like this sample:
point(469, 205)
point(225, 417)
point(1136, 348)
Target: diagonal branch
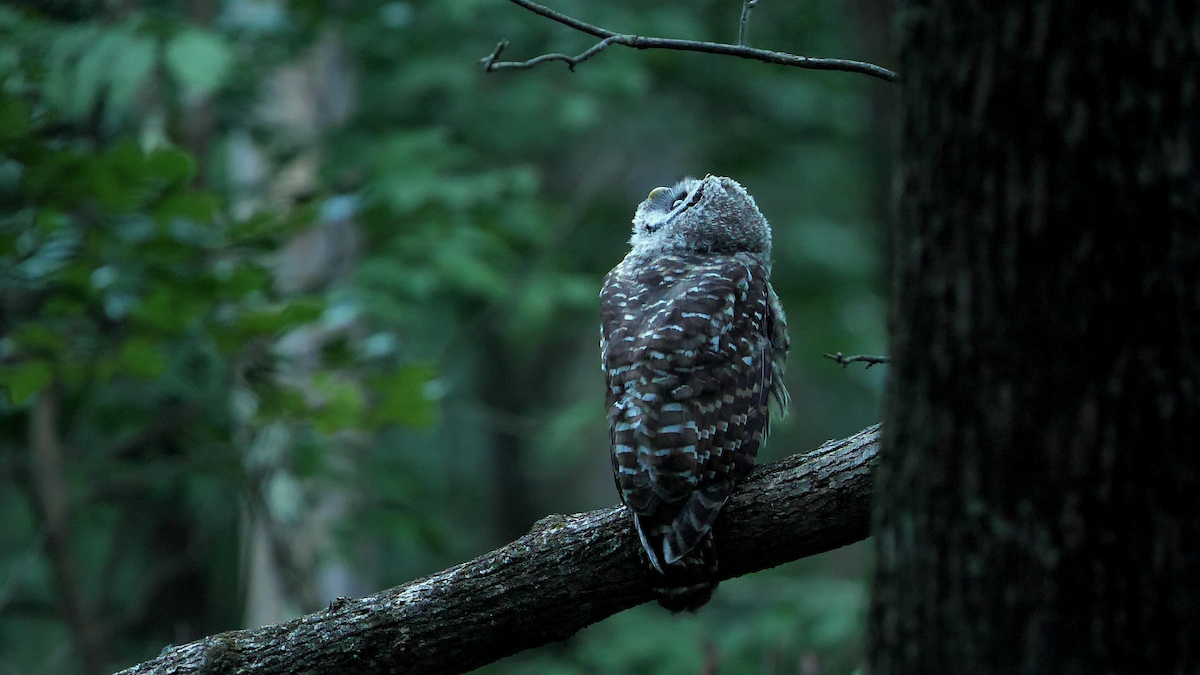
point(567, 573)
point(492, 63)
point(564, 19)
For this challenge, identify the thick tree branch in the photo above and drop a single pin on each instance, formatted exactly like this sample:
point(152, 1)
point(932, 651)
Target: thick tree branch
point(567, 573)
point(492, 62)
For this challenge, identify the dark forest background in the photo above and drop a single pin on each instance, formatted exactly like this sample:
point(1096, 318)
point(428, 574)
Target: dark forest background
point(296, 302)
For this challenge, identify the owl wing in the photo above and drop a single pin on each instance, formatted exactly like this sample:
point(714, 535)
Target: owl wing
point(689, 358)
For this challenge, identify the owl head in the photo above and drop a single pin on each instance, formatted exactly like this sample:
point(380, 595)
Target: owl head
point(710, 216)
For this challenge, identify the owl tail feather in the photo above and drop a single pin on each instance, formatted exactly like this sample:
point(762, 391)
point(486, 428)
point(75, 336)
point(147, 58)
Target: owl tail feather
point(688, 583)
point(693, 522)
point(681, 582)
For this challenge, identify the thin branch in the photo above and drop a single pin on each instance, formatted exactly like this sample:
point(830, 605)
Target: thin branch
point(747, 6)
point(844, 361)
point(564, 19)
point(492, 63)
point(567, 573)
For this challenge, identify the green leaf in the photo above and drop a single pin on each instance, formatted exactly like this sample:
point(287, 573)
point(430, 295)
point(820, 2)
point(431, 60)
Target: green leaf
point(403, 396)
point(343, 405)
point(72, 371)
point(171, 164)
point(14, 119)
point(236, 280)
point(57, 178)
point(92, 73)
point(140, 357)
point(61, 306)
point(303, 310)
point(130, 69)
point(26, 379)
point(49, 219)
point(277, 318)
point(39, 337)
point(199, 61)
point(200, 206)
point(170, 309)
point(283, 403)
point(118, 177)
point(307, 456)
point(62, 60)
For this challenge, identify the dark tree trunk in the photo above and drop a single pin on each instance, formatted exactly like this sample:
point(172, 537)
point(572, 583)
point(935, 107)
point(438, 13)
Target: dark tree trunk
point(1039, 490)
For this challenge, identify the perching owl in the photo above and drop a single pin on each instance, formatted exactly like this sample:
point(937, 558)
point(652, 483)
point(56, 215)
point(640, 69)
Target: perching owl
point(693, 342)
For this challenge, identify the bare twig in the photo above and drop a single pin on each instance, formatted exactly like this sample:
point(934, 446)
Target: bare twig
point(747, 6)
point(492, 63)
point(844, 361)
point(568, 572)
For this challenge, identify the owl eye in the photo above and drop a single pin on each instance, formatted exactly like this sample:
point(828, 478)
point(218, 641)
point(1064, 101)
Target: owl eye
point(675, 204)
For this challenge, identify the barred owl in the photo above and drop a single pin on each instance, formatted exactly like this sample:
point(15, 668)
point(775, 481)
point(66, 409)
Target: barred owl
point(693, 342)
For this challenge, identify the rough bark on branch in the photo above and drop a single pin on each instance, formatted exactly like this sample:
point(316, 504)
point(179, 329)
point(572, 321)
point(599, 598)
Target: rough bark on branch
point(566, 573)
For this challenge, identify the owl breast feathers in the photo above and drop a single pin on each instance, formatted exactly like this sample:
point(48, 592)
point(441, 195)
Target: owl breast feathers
point(692, 351)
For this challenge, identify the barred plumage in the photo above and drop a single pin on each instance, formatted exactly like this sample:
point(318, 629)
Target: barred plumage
point(693, 342)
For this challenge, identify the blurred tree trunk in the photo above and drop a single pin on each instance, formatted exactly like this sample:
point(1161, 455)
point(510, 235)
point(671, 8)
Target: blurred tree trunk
point(53, 507)
point(1037, 494)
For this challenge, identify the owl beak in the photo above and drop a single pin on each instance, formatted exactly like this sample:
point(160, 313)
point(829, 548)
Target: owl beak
point(692, 199)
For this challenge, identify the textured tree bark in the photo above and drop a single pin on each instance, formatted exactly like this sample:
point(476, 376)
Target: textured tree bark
point(568, 572)
point(1037, 492)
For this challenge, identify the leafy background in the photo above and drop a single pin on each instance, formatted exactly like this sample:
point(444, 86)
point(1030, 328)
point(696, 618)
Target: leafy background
point(307, 303)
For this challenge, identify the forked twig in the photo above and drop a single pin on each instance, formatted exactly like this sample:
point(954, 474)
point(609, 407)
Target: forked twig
point(491, 62)
point(747, 5)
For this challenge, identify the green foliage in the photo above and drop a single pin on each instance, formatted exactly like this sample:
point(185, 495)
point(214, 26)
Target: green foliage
point(162, 175)
point(405, 398)
point(128, 290)
point(199, 60)
point(26, 379)
point(769, 624)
